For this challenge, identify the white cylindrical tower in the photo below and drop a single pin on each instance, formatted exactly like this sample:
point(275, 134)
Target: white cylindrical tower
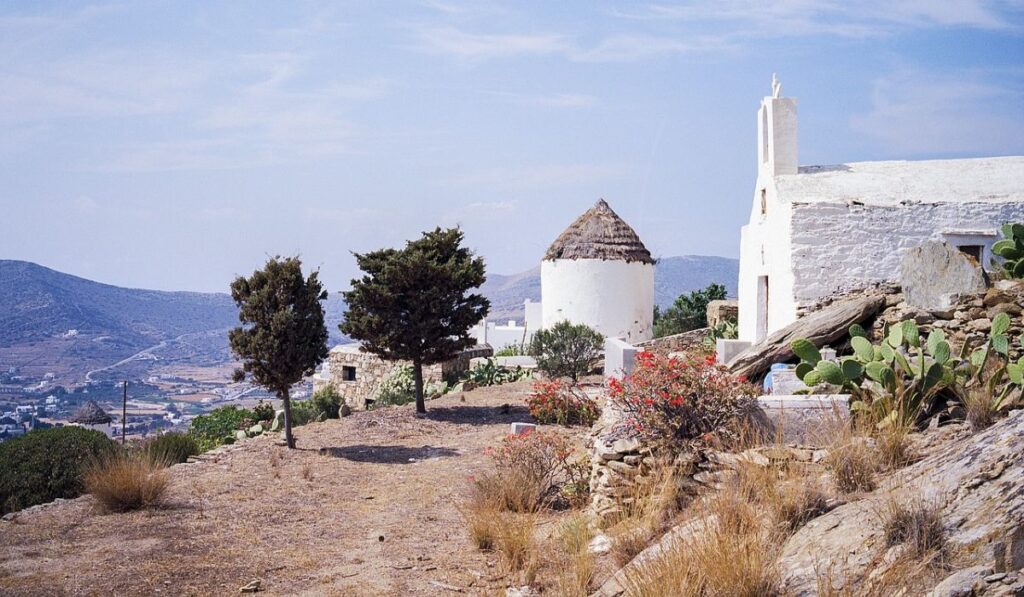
point(599, 273)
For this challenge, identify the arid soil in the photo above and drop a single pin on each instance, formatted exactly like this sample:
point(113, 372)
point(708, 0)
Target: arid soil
point(367, 505)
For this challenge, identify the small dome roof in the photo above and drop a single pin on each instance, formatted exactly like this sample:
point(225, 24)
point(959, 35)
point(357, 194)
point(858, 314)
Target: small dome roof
point(90, 413)
point(599, 234)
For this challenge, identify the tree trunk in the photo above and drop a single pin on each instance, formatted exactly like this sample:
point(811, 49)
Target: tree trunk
point(417, 374)
point(286, 400)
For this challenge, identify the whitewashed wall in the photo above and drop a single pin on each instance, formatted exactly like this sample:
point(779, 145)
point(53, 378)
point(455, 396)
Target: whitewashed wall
point(837, 247)
point(764, 251)
point(614, 297)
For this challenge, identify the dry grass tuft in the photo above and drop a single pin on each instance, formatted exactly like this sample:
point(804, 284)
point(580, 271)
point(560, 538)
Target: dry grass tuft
point(513, 539)
point(892, 448)
point(917, 525)
point(480, 515)
point(125, 482)
point(729, 551)
point(853, 463)
point(576, 565)
point(307, 473)
point(644, 514)
point(981, 408)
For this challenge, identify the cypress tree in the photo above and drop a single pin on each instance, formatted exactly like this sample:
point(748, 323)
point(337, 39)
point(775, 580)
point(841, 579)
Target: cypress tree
point(415, 303)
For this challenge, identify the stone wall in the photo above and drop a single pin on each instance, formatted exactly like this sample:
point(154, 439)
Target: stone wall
point(675, 343)
point(839, 247)
point(371, 371)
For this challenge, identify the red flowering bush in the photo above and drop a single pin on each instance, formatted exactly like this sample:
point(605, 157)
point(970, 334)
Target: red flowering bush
point(529, 470)
point(556, 402)
point(671, 401)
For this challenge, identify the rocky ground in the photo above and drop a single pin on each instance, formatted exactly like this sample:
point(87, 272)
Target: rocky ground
point(368, 505)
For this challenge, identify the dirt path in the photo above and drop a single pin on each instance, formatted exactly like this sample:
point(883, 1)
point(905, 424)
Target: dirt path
point(368, 505)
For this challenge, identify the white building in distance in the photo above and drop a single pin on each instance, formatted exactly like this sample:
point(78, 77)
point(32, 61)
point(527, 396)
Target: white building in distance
point(599, 273)
point(818, 230)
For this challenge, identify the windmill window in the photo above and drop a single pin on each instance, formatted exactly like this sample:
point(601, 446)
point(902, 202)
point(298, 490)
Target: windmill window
point(764, 202)
point(973, 251)
point(348, 373)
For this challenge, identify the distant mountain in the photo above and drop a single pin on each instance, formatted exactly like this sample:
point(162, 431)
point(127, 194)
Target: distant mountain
point(37, 302)
point(672, 276)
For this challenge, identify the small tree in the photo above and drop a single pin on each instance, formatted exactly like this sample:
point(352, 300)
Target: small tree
point(566, 349)
point(688, 312)
point(414, 304)
point(282, 337)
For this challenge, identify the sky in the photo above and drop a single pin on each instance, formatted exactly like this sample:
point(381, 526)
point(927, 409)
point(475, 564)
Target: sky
point(173, 145)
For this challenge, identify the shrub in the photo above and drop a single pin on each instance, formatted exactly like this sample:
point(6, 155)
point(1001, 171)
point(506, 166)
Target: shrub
point(490, 374)
point(555, 402)
point(512, 350)
point(305, 412)
point(124, 481)
point(566, 350)
point(219, 425)
point(327, 401)
point(263, 411)
point(171, 448)
point(47, 464)
point(397, 389)
point(529, 469)
point(688, 312)
point(672, 401)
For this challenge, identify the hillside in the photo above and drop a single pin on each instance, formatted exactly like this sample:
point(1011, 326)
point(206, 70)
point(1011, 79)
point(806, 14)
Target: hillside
point(52, 322)
point(672, 276)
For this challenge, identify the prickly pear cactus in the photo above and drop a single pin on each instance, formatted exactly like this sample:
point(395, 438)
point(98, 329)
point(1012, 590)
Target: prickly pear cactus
point(1011, 250)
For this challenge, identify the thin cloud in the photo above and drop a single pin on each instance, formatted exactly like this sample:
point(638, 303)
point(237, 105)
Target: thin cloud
point(787, 18)
point(485, 46)
point(938, 113)
point(552, 100)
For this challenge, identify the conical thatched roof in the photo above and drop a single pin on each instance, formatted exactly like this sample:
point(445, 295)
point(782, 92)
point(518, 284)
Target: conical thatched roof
point(599, 234)
point(90, 413)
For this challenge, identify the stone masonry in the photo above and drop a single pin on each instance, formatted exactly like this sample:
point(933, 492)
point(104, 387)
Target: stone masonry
point(357, 375)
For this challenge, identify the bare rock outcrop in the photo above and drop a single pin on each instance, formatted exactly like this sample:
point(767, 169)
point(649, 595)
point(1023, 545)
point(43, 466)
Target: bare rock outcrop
point(978, 485)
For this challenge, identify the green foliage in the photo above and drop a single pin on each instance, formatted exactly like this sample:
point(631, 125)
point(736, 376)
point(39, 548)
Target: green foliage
point(397, 389)
point(490, 374)
point(566, 349)
point(171, 448)
point(688, 312)
point(1011, 251)
point(304, 412)
point(512, 350)
point(282, 338)
point(415, 303)
point(263, 411)
point(47, 464)
point(892, 383)
point(219, 426)
point(327, 401)
point(895, 380)
point(726, 330)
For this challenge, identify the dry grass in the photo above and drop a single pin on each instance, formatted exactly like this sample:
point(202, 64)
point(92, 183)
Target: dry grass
point(576, 566)
point(735, 535)
point(513, 539)
point(307, 473)
point(852, 460)
point(125, 482)
point(981, 408)
point(644, 514)
point(892, 448)
point(480, 516)
point(730, 551)
point(916, 525)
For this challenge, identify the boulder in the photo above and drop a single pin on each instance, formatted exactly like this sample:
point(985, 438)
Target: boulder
point(935, 275)
point(978, 482)
point(825, 326)
point(961, 583)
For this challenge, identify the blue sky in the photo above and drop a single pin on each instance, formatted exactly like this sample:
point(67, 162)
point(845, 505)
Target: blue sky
point(172, 145)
